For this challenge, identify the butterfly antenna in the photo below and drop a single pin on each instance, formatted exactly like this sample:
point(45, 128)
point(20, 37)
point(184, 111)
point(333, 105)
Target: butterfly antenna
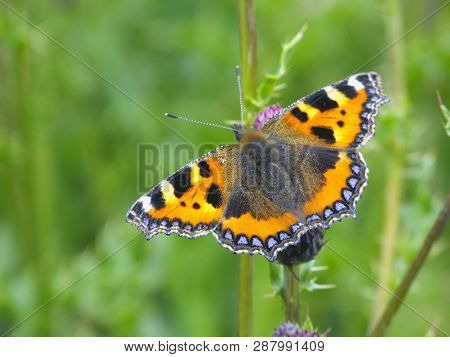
point(197, 121)
point(241, 101)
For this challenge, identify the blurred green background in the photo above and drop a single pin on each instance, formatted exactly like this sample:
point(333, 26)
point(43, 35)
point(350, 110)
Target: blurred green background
point(68, 162)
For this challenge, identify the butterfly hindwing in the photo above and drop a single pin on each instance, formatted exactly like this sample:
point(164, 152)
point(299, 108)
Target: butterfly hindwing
point(341, 115)
point(343, 178)
point(253, 228)
point(190, 202)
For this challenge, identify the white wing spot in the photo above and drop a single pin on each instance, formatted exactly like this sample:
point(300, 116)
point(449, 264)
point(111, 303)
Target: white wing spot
point(146, 203)
point(355, 83)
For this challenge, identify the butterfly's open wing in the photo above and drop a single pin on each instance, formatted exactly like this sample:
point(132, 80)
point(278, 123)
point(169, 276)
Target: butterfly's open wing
point(329, 183)
point(341, 115)
point(190, 202)
point(330, 124)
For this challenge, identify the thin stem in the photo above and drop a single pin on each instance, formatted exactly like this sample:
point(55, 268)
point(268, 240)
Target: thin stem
point(394, 162)
point(400, 293)
point(292, 294)
point(389, 236)
point(249, 69)
point(245, 307)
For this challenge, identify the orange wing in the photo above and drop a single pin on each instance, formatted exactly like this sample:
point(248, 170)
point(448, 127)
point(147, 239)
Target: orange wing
point(341, 115)
point(342, 186)
point(190, 202)
point(266, 236)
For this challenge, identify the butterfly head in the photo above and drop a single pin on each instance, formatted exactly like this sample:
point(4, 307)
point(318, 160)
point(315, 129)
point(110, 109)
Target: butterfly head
point(247, 136)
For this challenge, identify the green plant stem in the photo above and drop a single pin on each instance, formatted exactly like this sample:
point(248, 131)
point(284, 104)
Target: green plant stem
point(249, 70)
point(245, 305)
point(291, 294)
point(391, 221)
point(401, 291)
point(394, 162)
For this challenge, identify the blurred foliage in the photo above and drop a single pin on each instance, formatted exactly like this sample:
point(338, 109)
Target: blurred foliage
point(68, 165)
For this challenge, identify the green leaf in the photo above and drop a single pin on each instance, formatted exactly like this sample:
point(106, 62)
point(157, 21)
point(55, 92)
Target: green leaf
point(445, 112)
point(270, 86)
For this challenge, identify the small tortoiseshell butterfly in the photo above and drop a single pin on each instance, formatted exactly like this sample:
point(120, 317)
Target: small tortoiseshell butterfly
point(300, 172)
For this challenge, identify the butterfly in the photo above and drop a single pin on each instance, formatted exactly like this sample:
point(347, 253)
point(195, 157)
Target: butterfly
point(299, 173)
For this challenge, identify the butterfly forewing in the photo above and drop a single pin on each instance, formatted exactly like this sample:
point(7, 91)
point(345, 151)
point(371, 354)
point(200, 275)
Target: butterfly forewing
point(190, 202)
point(340, 115)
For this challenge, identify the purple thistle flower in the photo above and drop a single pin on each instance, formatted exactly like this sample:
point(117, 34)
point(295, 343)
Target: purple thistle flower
point(288, 329)
point(268, 113)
